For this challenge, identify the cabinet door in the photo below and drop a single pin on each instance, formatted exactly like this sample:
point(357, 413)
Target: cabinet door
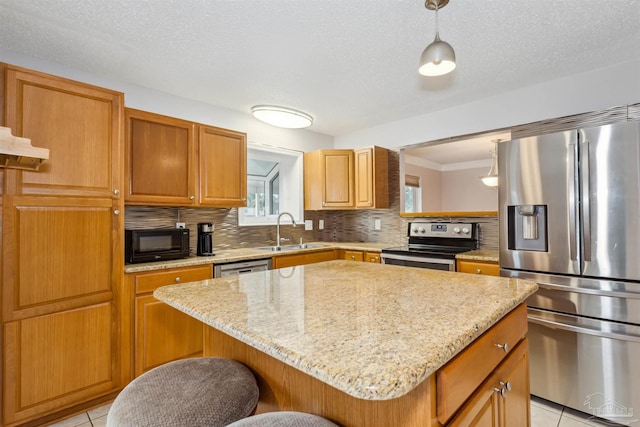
point(223, 167)
point(516, 400)
point(80, 124)
point(57, 360)
point(373, 257)
point(59, 253)
point(353, 255)
point(364, 178)
point(163, 334)
point(476, 267)
point(160, 155)
point(482, 410)
point(292, 260)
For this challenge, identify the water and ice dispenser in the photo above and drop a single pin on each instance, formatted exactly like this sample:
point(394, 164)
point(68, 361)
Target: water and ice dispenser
point(527, 227)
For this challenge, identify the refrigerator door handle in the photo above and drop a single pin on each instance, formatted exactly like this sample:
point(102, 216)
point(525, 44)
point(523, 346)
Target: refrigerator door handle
point(581, 330)
point(573, 205)
point(584, 199)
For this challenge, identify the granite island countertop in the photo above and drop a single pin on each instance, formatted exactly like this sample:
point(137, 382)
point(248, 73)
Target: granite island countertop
point(373, 331)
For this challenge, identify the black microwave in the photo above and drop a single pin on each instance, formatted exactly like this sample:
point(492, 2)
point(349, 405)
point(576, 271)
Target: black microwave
point(158, 244)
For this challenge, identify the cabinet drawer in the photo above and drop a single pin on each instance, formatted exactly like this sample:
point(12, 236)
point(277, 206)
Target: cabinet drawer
point(353, 255)
point(459, 378)
point(148, 282)
point(372, 257)
point(476, 267)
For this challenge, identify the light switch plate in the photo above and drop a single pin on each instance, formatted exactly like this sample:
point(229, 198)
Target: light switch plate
point(308, 224)
point(321, 224)
point(377, 224)
point(181, 225)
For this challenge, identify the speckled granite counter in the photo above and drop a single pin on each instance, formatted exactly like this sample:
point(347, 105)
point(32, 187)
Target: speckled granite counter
point(245, 254)
point(372, 331)
point(487, 255)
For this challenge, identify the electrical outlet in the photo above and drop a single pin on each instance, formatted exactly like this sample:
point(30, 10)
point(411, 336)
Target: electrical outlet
point(377, 224)
point(308, 224)
point(321, 224)
point(181, 225)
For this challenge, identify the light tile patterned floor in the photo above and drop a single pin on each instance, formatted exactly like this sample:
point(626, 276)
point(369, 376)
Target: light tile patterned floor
point(543, 414)
point(549, 414)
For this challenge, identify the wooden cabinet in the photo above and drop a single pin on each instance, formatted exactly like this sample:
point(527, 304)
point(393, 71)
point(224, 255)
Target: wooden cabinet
point(351, 255)
point(162, 333)
point(160, 160)
point(346, 179)
point(62, 231)
point(291, 260)
point(223, 167)
point(500, 354)
point(372, 177)
point(80, 125)
point(478, 267)
point(173, 162)
point(503, 399)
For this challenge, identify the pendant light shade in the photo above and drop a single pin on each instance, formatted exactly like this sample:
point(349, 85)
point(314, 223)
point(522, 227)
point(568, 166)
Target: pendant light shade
point(491, 179)
point(282, 116)
point(439, 57)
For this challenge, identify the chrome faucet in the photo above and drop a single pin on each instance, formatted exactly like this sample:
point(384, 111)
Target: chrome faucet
point(278, 226)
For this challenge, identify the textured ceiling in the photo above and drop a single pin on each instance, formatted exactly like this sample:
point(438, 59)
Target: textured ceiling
point(351, 64)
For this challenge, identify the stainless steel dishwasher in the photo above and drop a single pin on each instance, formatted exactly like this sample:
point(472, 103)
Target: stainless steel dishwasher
point(241, 267)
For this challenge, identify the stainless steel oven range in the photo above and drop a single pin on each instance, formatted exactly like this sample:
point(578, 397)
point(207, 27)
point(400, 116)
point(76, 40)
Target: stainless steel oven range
point(433, 245)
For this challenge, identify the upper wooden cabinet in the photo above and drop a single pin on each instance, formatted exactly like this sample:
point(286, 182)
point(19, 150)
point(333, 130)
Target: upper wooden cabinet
point(80, 124)
point(372, 177)
point(173, 162)
point(160, 160)
point(346, 179)
point(222, 166)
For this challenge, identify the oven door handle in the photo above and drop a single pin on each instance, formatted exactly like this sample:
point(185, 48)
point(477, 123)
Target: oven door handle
point(418, 259)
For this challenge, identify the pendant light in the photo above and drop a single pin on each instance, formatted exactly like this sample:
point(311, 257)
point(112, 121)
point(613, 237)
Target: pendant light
point(438, 58)
point(282, 116)
point(491, 179)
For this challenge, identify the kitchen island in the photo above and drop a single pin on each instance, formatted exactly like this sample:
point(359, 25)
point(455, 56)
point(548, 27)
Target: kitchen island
point(361, 344)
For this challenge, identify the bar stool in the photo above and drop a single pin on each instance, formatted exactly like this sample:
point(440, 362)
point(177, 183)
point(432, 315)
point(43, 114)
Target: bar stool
point(207, 391)
point(283, 419)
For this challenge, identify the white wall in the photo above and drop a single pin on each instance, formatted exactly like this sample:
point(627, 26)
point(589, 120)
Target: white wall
point(163, 103)
point(462, 190)
point(590, 91)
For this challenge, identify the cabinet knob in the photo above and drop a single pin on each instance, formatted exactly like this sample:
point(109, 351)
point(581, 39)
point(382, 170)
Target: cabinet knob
point(502, 391)
point(116, 191)
point(116, 212)
point(506, 385)
point(178, 279)
point(504, 346)
point(353, 257)
point(478, 271)
point(192, 197)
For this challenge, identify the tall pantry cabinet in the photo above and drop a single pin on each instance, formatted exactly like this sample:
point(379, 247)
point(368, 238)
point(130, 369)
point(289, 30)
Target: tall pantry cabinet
point(63, 344)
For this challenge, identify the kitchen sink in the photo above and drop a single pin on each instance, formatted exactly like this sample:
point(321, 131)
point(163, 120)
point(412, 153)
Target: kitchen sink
point(289, 247)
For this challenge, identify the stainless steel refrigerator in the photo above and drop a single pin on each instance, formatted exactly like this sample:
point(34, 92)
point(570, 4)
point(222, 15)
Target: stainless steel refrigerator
point(570, 221)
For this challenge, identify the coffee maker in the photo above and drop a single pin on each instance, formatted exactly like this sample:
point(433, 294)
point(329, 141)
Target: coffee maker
point(205, 239)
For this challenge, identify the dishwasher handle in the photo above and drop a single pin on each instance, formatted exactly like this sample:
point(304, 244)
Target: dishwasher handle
point(598, 332)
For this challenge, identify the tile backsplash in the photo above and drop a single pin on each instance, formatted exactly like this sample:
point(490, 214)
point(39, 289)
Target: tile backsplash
point(339, 226)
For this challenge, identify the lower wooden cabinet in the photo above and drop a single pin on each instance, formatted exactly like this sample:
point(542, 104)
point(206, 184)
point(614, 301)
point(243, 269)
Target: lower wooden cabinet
point(161, 333)
point(503, 399)
point(351, 255)
point(292, 260)
point(478, 267)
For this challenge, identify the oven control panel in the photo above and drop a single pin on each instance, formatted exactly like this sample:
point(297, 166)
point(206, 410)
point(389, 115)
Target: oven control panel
point(442, 229)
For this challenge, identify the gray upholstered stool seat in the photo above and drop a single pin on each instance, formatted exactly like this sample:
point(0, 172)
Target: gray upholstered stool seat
point(204, 391)
point(283, 419)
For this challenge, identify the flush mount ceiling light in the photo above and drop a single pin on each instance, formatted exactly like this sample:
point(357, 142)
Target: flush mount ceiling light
point(491, 179)
point(438, 58)
point(282, 116)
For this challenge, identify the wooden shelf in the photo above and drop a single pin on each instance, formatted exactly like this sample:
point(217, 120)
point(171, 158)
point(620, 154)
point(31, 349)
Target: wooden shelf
point(470, 213)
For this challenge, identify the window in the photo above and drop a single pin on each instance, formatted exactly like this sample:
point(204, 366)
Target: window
point(274, 185)
point(412, 194)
